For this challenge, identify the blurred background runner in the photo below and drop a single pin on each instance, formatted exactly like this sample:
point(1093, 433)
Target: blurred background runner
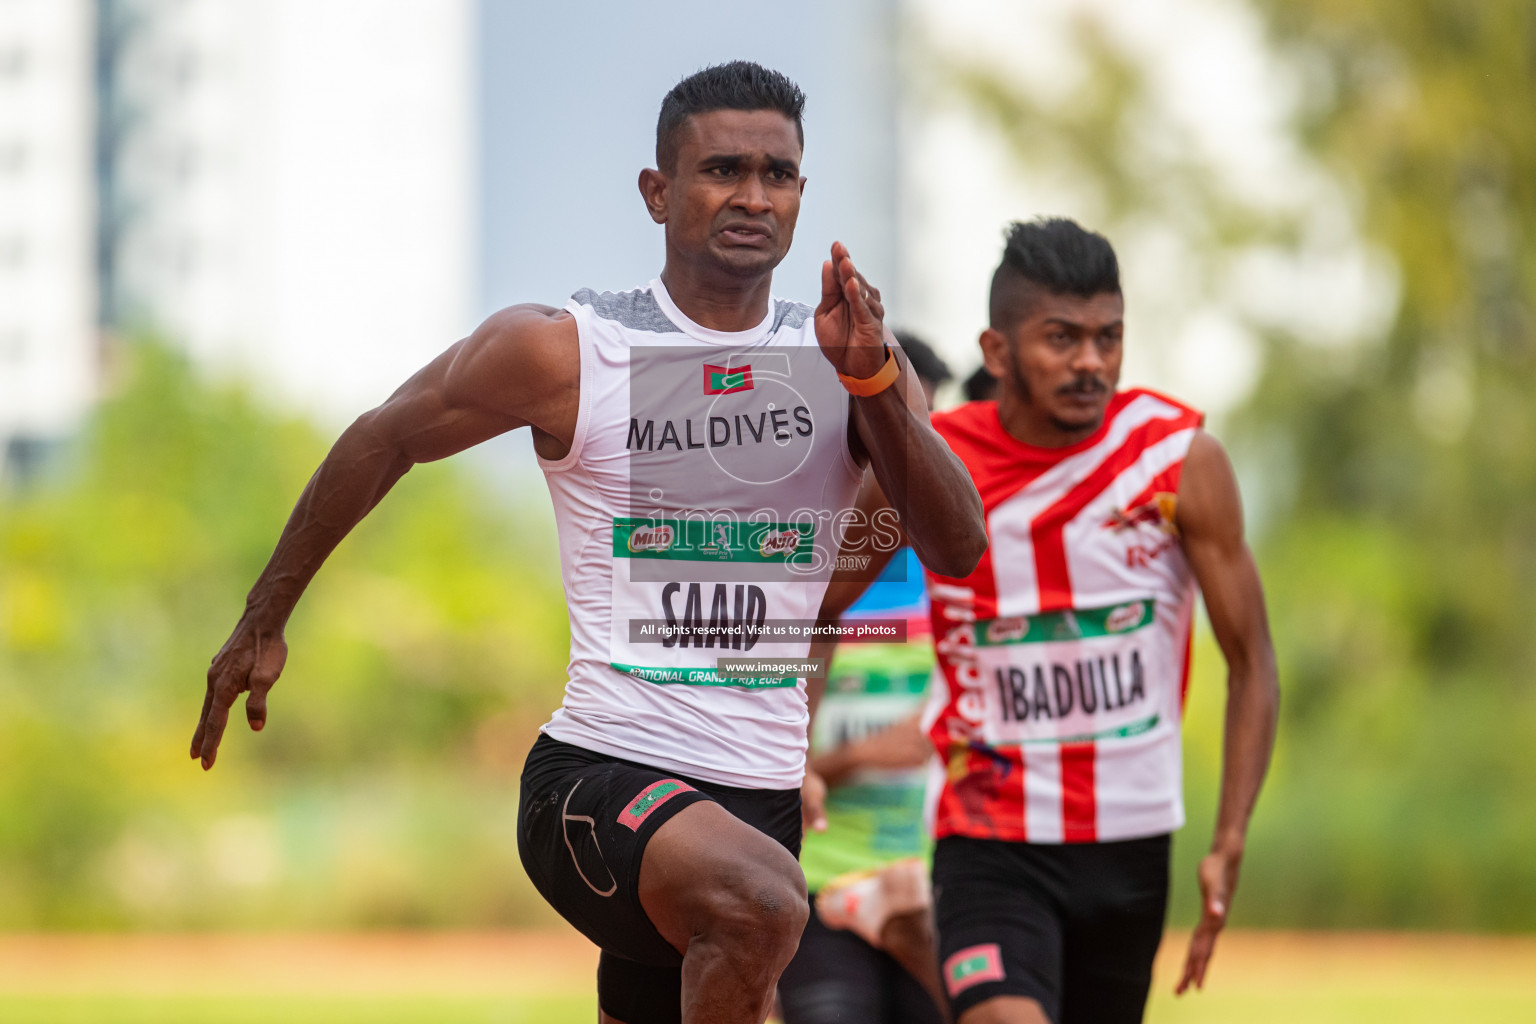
point(867, 953)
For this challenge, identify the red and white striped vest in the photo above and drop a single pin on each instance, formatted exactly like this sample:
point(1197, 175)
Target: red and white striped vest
point(1065, 655)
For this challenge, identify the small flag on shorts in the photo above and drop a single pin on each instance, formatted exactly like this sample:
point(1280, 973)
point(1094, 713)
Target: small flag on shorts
point(972, 966)
point(650, 798)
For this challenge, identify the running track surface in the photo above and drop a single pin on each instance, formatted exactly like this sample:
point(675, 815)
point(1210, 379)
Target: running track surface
point(1256, 976)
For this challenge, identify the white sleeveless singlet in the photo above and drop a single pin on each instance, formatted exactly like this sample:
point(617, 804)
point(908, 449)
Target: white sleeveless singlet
point(700, 491)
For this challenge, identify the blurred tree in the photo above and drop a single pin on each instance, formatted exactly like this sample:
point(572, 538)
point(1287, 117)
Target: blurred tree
point(1407, 566)
point(1393, 471)
point(422, 660)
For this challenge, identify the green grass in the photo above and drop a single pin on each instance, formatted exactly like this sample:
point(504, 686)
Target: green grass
point(106, 1009)
point(1364, 1006)
point(545, 978)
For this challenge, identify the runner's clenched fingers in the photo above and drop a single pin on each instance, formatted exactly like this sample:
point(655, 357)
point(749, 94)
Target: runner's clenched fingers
point(202, 718)
point(1216, 877)
point(217, 718)
point(256, 704)
point(224, 664)
point(1200, 947)
point(863, 298)
point(831, 294)
point(269, 665)
point(854, 295)
point(871, 295)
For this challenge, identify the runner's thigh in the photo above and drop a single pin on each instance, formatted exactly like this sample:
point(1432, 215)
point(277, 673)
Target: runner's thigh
point(1115, 917)
point(1000, 932)
point(584, 821)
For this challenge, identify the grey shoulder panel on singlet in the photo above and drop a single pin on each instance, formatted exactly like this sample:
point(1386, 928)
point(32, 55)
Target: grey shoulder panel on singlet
point(790, 314)
point(636, 310)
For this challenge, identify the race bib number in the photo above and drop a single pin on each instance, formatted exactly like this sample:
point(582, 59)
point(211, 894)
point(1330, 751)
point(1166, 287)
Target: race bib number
point(1066, 677)
point(675, 631)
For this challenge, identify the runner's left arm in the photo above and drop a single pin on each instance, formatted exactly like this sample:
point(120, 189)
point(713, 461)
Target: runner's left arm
point(1210, 521)
point(924, 481)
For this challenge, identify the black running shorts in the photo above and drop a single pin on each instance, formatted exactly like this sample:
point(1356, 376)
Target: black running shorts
point(1073, 926)
point(838, 978)
point(583, 822)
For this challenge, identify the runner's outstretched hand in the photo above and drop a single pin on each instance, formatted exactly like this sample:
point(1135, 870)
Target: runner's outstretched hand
point(250, 660)
point(1218, 879)
point(850, 321)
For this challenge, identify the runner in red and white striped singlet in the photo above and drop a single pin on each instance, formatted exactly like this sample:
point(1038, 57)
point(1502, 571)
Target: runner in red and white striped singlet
point(1063, 658)
point(1065, 653)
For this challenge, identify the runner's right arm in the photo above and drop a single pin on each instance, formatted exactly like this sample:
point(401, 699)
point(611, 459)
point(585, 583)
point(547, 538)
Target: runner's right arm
point(519, 368)
point(1210, 522)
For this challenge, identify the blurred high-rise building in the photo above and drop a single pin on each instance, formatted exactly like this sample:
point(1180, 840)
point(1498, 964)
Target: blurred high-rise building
point(320, 195)
point(286, 185)
point(48, 352)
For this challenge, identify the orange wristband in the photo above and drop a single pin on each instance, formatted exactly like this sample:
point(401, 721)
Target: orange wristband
point(883, 378)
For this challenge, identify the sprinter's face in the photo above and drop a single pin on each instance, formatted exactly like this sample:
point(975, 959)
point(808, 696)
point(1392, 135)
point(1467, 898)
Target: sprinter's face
point(1062, 360)
point(733, 194)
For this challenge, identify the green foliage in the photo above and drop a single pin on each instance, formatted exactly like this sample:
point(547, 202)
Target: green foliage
point(382, 791)
point(1395, 476)
point(320, 1009)
point(1405, 568)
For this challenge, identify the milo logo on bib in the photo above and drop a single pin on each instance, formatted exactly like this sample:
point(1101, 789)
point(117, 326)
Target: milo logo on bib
point(1126, 617)
point(650, 538)
point(779, 542)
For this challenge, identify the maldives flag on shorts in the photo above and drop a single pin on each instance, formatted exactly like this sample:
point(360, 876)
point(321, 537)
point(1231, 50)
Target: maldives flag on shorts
point(721, 380)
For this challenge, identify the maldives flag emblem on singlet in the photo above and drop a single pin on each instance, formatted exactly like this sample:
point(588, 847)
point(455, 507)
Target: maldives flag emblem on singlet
point(723, 380)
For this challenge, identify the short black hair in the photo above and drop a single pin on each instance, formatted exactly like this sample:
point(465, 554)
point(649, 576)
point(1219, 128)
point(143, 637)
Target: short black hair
point(1051, 253)
point(926, 363)
point(739, 85)
point(980, 385)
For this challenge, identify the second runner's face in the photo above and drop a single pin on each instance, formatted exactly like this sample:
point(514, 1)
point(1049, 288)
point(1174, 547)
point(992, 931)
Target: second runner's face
point(1062, 362)
point(734, 193)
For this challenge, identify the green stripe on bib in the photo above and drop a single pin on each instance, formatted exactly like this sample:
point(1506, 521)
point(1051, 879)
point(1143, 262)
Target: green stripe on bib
point(1074, 624)
point(694, 540)
point(701, 677)
point(1136, 728)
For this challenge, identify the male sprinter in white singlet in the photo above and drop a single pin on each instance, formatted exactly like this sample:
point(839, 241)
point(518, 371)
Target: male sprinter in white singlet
point(702, 456)
point(1064, 656)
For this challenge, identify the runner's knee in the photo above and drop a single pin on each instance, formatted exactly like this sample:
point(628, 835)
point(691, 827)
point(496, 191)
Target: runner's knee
point(756, 907)
point(709, 877)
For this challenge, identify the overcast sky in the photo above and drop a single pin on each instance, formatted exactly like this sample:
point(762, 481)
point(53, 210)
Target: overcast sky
point(570, 94)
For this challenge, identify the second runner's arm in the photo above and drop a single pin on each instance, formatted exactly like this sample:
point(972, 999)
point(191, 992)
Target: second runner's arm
point(1210, 520)
point(874, 533)
point(511, 372)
